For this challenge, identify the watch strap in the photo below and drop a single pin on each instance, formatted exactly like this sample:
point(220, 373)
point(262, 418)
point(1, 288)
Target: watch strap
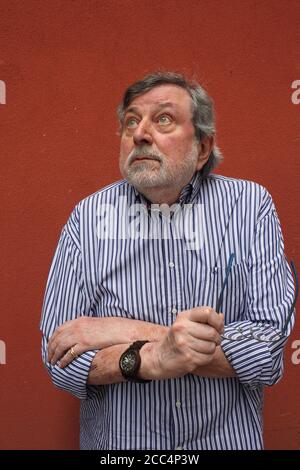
point(132, 377)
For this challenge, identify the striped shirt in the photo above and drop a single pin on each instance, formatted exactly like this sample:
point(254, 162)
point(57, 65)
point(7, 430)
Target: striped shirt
point(152, 279)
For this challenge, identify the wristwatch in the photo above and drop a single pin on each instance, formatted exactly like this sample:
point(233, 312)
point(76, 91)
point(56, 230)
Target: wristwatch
point(130, 362)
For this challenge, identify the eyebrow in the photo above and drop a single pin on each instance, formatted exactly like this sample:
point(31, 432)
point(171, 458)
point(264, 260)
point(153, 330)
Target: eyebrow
point(161, 105)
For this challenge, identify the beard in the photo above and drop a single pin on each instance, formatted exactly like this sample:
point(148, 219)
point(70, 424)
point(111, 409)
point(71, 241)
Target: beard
point(156, 170)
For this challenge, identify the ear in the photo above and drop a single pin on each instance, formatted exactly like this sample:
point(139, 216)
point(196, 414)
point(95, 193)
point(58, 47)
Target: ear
point(205, 147)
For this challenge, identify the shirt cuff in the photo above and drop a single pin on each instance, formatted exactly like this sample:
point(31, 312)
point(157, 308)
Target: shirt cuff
point(251, 359)
point(73, 378)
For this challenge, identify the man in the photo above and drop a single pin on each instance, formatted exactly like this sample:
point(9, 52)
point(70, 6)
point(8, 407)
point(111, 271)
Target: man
point(131, 321)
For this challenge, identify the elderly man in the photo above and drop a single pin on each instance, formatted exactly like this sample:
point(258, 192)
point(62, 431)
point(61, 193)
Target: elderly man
point(131, 321)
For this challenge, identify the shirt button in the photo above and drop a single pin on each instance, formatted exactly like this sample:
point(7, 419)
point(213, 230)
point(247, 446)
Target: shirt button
point(171, 264)
point(178, 404)
point(174, 311)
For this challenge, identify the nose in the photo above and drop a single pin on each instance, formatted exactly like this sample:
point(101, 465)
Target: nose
point(142, 134)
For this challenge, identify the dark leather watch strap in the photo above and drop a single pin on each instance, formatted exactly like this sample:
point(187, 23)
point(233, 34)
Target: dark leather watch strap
point(136, 346)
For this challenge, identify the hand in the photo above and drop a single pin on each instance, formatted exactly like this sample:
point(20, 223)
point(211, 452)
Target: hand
point(84, 334)
point(190, 343)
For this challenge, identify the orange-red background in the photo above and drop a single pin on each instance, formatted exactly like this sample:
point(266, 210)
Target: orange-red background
point(66, 64)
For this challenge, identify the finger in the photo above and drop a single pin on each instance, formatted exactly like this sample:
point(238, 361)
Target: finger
point(183, 330)
point(208, 315)
point(65, 360)
point(200, 314)
point(58, 354)
point(206, 332)
point(66, 330)
point(217, 321)
point(199, 345)
point(202, 346)
point(58, 348)
point(185, 337)
point(51, 345)
point(54, 339)
point(55, 349)
point(61, 349)
point(51, 348)
point(64, 341)
point(198, 352)
point(68, 357)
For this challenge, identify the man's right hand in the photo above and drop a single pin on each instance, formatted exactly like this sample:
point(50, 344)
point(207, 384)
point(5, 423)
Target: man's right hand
point(189, 343)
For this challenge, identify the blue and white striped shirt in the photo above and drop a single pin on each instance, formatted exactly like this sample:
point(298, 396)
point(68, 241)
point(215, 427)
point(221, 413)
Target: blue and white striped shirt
point(152, 279)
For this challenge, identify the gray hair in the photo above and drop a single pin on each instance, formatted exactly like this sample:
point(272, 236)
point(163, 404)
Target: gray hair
point(203, 116)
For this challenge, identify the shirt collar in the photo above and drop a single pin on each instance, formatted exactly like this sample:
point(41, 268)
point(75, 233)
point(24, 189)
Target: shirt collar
point(186, 196)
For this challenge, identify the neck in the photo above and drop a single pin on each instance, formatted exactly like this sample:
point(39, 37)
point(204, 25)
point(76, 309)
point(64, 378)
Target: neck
point(161, 195)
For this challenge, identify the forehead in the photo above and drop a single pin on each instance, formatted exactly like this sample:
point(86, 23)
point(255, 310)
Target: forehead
point(164, 95)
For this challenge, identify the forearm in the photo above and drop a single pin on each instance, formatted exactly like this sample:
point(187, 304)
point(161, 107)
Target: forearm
point(219, 367)
point(105, 366)
point(136, 330)
point(110, 331)
point(175, 354)
point(90, 333)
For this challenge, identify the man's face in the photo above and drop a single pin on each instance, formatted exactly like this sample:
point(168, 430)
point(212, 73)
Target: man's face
point(158, 146)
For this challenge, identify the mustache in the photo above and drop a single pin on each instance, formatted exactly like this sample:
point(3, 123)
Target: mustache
point(144, 153)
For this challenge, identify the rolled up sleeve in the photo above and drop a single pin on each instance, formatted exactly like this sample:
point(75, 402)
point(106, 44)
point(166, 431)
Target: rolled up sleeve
point(269, 299)
point(65, 299)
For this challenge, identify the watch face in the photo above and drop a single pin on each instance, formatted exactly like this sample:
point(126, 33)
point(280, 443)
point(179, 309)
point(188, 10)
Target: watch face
point(128, 362)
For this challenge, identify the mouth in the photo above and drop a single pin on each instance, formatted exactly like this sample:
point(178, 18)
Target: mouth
point(144, 158)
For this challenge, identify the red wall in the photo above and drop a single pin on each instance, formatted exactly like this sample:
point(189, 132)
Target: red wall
point(65, 64)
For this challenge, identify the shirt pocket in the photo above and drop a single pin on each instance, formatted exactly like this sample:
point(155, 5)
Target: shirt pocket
point(210, 287)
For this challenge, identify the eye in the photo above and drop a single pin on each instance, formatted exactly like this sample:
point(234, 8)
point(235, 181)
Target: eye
point(131, 122)
point(164, 119)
